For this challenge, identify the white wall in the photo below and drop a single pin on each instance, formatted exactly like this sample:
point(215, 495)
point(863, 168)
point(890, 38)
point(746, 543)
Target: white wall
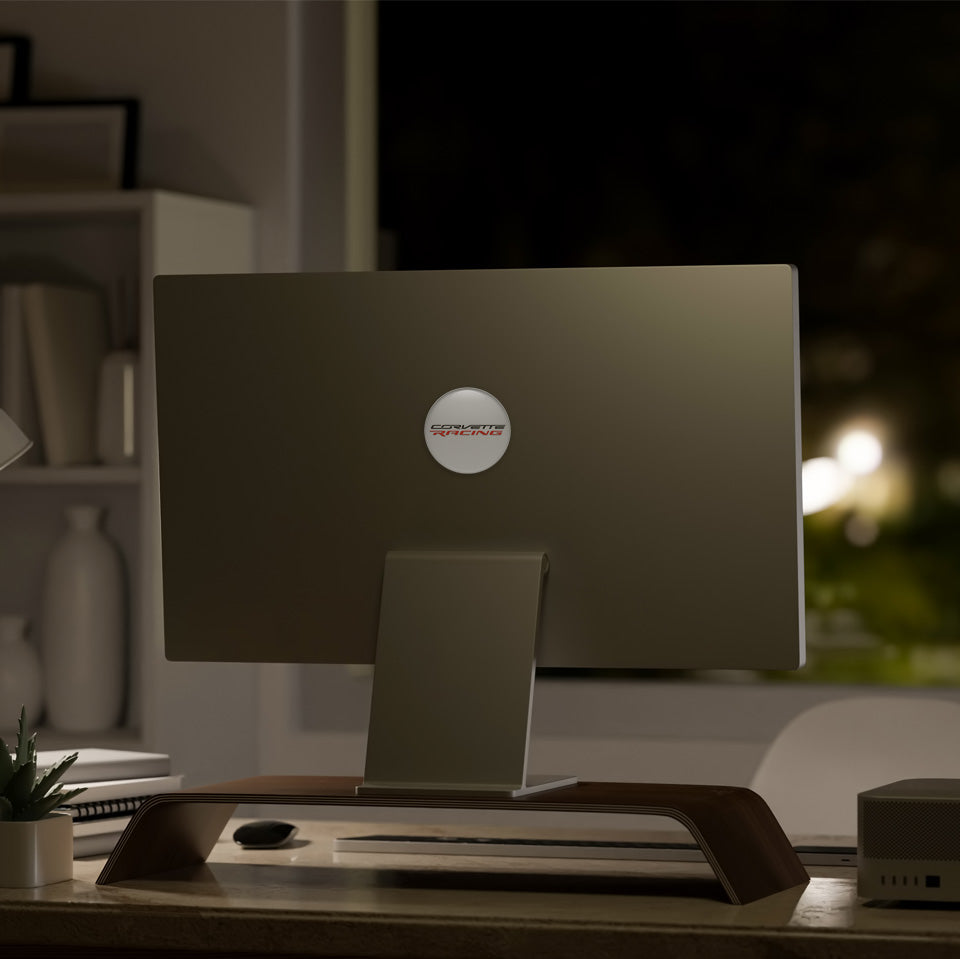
point(247, 100)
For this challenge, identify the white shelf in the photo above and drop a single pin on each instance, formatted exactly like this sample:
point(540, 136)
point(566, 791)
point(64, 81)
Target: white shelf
point(119, 241)
point(94, 203)
point(71, 476)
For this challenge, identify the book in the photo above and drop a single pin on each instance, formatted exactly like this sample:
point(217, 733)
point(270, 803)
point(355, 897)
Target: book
point(101, 813)
point(100, 844)
point(103, 810)
point(118, 797)
point(101, 827)
point(99, 822)
point(95, 765)
point(67, 338)
point(17, 396)
point(119, 789)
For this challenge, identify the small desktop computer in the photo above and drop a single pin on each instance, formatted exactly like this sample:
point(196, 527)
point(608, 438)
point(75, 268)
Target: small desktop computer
point(907, 846)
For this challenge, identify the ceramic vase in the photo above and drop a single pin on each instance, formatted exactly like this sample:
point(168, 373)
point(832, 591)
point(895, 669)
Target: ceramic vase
point(36, 853)
point(21, 682)
point(83, 627)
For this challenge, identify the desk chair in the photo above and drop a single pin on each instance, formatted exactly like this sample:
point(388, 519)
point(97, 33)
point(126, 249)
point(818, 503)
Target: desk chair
point(814, 769)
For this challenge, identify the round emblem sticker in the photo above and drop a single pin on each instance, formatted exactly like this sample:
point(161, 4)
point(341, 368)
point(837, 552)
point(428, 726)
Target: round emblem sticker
point(467, 430)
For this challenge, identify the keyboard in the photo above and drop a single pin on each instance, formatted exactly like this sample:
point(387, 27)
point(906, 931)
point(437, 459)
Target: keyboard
point(809, 855)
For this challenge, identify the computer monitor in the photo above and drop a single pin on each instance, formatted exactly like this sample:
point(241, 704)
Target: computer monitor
point(459, 475)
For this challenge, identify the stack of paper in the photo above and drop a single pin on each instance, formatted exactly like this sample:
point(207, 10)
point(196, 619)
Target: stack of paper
point(116, 782)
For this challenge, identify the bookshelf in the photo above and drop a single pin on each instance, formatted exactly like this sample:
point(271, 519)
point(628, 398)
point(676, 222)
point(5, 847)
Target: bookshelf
point(120, 240)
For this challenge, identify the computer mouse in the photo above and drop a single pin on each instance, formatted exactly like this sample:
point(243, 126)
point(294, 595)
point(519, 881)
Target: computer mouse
point(264, 834)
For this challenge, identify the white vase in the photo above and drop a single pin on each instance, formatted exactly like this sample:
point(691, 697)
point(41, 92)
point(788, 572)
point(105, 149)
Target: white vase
point(83, 627)
point(36, 853)
point(21, 682)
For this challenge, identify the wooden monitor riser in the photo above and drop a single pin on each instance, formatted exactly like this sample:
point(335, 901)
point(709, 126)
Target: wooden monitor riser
point(739, 835)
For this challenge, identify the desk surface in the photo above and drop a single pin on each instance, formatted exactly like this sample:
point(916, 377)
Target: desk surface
point(307, 900)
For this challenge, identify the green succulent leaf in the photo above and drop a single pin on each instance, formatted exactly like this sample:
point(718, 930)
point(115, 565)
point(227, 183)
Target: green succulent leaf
point(22, 746)
point(52, 776)
point(21, 786)
point(6, 765)
point(24, 796)
point(65, 797)
point(38, 810)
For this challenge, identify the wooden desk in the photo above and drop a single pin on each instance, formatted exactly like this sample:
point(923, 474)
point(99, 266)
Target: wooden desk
point(306, 901)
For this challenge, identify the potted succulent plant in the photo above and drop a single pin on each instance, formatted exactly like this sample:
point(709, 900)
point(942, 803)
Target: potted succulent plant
point(36, 842)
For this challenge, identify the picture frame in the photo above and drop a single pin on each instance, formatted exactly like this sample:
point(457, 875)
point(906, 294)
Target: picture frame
point(56, 146)
point(15, 54)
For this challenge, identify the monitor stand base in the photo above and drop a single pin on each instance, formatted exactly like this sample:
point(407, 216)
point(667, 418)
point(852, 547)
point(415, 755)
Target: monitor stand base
point(534, 785)
point(739, 835)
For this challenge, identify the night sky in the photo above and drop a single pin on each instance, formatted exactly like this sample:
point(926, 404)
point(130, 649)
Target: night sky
point(573, 133)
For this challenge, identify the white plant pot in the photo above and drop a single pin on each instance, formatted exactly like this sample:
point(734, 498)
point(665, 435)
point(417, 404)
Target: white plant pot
point(36, 853)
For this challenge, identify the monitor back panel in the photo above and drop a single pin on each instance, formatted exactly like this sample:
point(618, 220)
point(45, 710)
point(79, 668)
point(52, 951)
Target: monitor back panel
point(653, 456)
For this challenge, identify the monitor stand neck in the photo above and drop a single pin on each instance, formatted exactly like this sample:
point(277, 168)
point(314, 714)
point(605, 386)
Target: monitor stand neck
point(453, 683)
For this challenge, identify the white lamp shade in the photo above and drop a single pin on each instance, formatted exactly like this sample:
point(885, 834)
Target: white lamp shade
point(13, 443)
